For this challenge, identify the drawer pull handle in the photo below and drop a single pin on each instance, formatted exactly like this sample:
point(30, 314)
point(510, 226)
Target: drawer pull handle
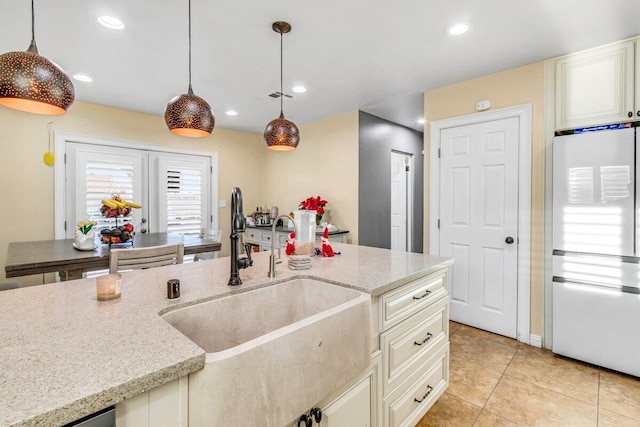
point(424, 341)
point(429, 390)
point(426, 294)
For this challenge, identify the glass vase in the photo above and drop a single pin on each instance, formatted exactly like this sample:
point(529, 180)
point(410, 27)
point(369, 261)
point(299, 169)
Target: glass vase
point(305, 232)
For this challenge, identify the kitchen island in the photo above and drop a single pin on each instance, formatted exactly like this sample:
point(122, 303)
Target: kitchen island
point(65, 355)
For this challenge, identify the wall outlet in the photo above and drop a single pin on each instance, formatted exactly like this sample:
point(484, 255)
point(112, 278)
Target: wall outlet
point(222, 203)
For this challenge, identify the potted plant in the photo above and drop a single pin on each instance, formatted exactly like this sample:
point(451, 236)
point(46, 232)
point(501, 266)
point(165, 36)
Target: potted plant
point(314, 204)
point(85, 235)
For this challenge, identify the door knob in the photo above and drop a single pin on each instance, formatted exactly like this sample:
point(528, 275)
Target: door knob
point(509, 240)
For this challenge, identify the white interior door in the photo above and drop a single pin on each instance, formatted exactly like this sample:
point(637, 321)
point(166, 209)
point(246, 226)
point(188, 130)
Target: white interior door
point(479, 222)
point(399, 201)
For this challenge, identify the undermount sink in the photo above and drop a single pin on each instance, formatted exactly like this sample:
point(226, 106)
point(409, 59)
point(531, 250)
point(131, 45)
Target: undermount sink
point(274, 352)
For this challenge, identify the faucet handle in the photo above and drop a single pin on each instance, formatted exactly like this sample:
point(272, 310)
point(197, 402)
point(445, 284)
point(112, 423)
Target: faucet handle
point(247, 249)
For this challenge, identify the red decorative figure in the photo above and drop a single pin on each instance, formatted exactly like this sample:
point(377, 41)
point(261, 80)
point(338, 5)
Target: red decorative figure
point(291, 243)
point(327, 250)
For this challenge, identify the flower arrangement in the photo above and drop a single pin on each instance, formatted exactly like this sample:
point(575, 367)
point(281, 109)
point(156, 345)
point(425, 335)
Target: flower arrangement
point(314, 204)
point(86, 225)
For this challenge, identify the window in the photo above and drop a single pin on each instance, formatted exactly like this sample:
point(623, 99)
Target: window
point(177, 190)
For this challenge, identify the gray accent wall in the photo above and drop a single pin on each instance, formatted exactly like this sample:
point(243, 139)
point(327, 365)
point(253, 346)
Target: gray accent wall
point(377, 139)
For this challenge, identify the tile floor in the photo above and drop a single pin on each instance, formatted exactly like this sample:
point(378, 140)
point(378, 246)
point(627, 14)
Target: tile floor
point(495, 381)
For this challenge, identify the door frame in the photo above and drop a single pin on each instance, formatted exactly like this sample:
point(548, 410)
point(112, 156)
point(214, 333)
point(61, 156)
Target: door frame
point(409, 194)
point(59, 167)
point(523, 114)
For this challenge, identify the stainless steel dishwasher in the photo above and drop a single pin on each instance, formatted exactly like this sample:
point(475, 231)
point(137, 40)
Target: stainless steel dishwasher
point(103, 418)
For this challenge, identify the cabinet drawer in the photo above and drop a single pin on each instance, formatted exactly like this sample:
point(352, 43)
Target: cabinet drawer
point(266, 237)
point(407, 405)
point(408, 345)
point(403, 302)
point(252, 236)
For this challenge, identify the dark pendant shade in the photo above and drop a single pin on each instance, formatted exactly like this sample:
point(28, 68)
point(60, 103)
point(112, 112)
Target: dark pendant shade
point(281, 134)
point(189, 115)
point(30, 82)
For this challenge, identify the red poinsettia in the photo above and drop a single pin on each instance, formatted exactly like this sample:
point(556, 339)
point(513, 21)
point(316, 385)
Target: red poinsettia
point(314, 204)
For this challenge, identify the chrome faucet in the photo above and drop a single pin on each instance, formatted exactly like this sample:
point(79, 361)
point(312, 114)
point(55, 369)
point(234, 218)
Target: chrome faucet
point(237, 227)
point(272, 259)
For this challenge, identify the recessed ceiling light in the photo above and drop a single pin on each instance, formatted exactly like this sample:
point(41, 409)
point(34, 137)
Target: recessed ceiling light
point(231, 113)
point(420, 121)
point(110, 22)
point(459, 28)
point(299, 89)
point(82, 78)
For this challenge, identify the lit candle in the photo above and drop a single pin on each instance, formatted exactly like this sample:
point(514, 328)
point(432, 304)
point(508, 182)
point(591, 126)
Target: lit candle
point(108, 287)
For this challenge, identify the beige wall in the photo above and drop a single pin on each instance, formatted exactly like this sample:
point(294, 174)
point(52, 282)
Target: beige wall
point(523, 85)
point(324, 164)
point(27, 189)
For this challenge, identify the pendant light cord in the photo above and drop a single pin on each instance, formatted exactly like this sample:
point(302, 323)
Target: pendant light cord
point(190, 90)
point(33, 22)
point(281, 91)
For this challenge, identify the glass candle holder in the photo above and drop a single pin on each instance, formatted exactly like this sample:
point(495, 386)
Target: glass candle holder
point(108, 286)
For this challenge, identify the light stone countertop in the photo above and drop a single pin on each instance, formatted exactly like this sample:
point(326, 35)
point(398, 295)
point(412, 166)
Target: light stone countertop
point(64, 355)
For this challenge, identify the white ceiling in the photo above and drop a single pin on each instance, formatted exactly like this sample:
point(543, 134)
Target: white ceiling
point(375, 55)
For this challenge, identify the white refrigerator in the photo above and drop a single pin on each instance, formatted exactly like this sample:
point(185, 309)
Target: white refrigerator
point(596, 270)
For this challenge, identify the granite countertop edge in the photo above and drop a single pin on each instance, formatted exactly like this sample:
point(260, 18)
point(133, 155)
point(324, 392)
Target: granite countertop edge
point(201, 281)
point(106, 398)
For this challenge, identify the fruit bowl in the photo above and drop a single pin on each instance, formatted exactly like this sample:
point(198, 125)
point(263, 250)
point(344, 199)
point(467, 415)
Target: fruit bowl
point(117, 235)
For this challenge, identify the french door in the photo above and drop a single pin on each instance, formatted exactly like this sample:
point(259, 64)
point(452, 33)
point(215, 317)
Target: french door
point(173, 189)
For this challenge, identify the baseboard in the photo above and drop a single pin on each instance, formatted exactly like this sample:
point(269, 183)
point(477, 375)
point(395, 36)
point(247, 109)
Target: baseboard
point(535, 341)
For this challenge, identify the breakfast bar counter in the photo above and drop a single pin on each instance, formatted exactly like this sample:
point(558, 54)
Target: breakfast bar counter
point(65, 355)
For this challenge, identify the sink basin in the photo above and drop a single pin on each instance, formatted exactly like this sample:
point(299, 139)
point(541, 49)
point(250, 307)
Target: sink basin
point(274, 352)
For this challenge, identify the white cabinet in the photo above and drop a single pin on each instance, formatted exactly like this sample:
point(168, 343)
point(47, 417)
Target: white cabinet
point(414, 339)
point(410, 367)
point(262, 238)
point(163, 406)
point(597, 86)
point(357, 403)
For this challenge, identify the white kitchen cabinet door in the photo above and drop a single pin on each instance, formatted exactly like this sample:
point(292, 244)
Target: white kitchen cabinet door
point(358, 404)
point(595, 87)
point(163, 406)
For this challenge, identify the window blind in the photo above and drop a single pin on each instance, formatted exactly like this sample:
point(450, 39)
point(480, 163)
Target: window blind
point(185, 208)
point(103, 179)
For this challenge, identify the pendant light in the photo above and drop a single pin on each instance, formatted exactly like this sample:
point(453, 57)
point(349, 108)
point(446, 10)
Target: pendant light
point(30, 82)
point(281, 134)
point(188, 114)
